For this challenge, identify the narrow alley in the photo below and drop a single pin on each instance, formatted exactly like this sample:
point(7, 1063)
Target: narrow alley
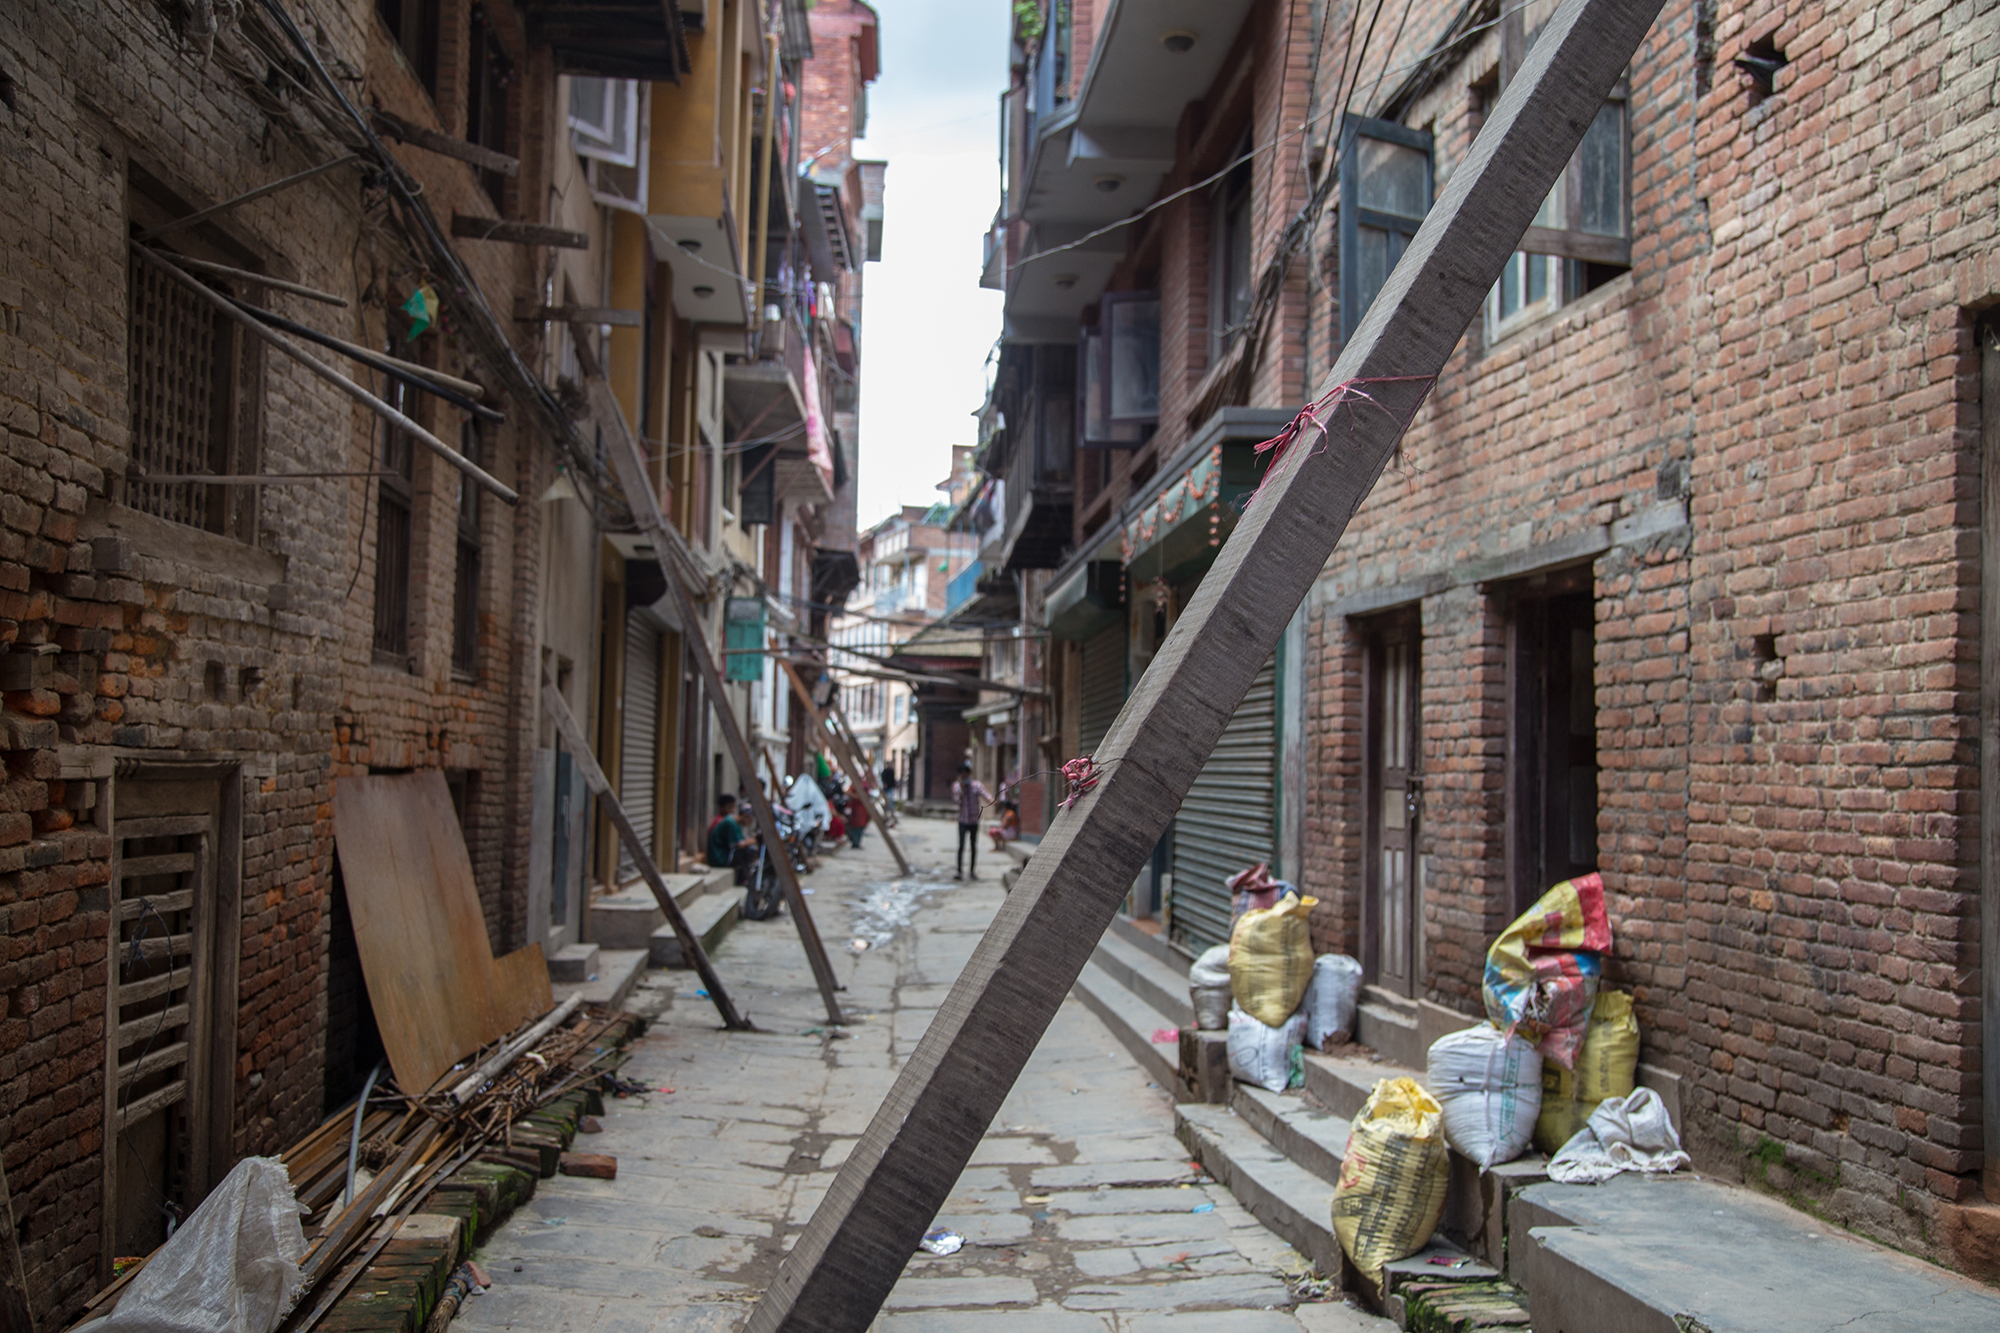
point(1079, 1209)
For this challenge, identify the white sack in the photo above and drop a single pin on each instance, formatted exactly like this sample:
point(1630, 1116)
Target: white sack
point(1262, 1054)
point(1208, 988)
point(1211, 969)
point(232, 1267)
point(1490, 1085)
point(1331, 998)
point(1623, 1134)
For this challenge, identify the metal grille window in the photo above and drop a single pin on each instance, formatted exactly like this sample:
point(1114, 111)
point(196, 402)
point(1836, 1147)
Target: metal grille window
point(396, 501)
point(465, 594)
point(182, 355)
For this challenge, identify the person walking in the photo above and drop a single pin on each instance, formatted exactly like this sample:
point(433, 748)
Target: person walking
point(972, 798)
point(857, 820)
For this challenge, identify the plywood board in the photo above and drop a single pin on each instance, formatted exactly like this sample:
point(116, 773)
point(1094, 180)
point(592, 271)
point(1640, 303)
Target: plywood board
point(438, 992)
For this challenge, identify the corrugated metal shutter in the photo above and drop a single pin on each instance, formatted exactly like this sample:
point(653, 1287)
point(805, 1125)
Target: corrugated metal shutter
point(1103, 686)
point(639, 752)
point(1229, 819)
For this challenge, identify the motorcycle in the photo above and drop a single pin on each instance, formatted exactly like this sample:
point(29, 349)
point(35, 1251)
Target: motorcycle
point(763, 893)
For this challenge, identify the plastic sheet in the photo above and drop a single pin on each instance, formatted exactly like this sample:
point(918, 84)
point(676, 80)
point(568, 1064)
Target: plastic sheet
point(1623, 1134)
point(232, 1267)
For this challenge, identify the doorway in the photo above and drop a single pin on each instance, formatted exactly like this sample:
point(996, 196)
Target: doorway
point(170, 996)
point(1392, 797)
point(1552, 735)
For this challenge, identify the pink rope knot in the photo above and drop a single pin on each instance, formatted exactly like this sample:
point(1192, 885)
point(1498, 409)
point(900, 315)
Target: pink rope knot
point(1081, 774)
point(1317, 414)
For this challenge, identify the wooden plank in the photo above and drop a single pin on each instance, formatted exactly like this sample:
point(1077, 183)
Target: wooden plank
point(1577, 245)
point(146, 1027)
point(594, 778)
point(670, 550)
point(853, 743)
point(166, 863)
point(437, 991)
point(132, 992)
point(583, 314)
point(129, 909)
point(131, 1113)
point(856, 780)
point(163, 826)
point(898, 1176)
point(165, 1058)
point(444, 145)
point(473, 228)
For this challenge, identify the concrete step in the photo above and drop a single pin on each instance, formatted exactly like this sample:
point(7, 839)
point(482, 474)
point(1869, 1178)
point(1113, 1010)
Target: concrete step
point(1132, 1021)
point(1277, 1191)
point(1342, 1082)
point(711, 918)
point(611, 979)
point(1161, 986)
point(624, 920)
point(1664, 1253)
point(1153, 942)
point(573, 964)
point(1302, 1130)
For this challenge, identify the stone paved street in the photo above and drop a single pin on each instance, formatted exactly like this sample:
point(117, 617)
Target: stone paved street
point(1079, 1208)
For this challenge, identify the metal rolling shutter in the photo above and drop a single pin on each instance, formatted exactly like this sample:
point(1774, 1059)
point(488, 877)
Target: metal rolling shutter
point(1103, 691)
point(1229, 819)
point(639, 750)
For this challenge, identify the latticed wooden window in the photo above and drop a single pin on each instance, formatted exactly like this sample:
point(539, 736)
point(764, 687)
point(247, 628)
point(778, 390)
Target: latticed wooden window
point(183, 357)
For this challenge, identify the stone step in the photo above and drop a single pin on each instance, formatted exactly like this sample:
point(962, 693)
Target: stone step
point(1159, 984)
point(1284, 1196)
point(710, 919)
point(1307, 1133)
point(1153, 942)
point(573, 964)
point(1342, 1082)
point(625, 919)
point(1657, 1254)
point(613, 975)
point(1132, 1021)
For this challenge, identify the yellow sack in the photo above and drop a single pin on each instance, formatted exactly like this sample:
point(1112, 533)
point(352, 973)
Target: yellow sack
point(1605, 1067)
point(1392, 1181)
point(1271, 959)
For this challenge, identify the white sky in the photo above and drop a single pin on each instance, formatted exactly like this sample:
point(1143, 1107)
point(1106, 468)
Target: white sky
point(927, 325)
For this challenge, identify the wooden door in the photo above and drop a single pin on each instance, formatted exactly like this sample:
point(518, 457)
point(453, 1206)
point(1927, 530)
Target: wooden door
point(1392, 875)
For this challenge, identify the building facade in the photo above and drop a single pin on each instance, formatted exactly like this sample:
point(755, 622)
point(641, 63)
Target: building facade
point(1681, 574)
point(231, 581)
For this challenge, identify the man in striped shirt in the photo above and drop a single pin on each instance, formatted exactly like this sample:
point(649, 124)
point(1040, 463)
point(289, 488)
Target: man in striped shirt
point(972, 798)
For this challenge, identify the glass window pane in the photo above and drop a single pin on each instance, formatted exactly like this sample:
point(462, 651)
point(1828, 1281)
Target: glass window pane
point(1510, 286)
point(1394, 178)
point(1538, 278)
point(1133, 328)
point(1375, 266)
point(1600, 164)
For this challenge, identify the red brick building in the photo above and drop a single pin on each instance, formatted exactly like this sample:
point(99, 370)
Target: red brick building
point(1679, 575)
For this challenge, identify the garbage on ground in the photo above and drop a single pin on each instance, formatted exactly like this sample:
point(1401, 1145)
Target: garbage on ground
point(941, 1242)
point(1254, 890)
point(859, 945)
point(1632, 1133)
point(1607, 1066)
point(1542, 972)
point(1271, 959)
point(1209, 989)
point(1332, 996)
point(232, 1267)
point(1392, 1181)
point(1264, 1054)
point(1490, 1088)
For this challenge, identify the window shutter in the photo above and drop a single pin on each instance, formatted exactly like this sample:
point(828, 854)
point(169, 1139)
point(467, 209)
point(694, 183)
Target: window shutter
point(1385, 191)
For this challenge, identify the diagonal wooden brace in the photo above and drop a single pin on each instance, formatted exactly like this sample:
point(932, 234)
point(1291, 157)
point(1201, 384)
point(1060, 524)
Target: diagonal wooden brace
point(669, 549)
point(837, 745)
point(593, 778)
point(900, 1173)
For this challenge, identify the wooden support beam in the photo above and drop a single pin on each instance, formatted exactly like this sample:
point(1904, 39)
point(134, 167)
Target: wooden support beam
point(472, 228)
point(844, 733)
point(582, 314)
point(897, 1178)
point(670, 550)
point(593, 778)
point(857, 779)
point(416, 136)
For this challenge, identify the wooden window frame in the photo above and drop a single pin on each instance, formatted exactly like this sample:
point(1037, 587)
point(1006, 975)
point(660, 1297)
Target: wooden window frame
point(469, 572)
point(396, 494)
point(1378, 633)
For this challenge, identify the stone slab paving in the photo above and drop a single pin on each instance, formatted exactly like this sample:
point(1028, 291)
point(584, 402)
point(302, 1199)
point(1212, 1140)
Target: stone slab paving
point(1079, 1210)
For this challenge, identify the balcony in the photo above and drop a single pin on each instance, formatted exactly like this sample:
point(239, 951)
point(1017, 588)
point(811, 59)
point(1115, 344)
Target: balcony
point(963, 586)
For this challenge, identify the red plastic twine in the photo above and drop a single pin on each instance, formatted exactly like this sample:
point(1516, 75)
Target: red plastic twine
point(1081, 773)
point(1318, 414)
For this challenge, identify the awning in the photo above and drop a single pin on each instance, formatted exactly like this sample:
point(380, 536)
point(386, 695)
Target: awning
point(1176, 531)
point(995, 714)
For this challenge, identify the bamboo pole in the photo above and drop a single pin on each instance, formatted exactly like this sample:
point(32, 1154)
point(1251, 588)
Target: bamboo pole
point(261, 280)
point(153, 233)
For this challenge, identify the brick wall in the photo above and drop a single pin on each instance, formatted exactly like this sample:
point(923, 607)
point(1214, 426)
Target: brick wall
point(177, 644)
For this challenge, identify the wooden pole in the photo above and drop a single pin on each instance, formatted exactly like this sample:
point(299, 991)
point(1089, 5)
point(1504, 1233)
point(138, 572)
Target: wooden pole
point(332, 376)
point(152, 233)
point(668, 548)
point(13, 1272)
point(852, 740)
point(842, 758)
point(900, 1173)
point(506, 1055)
point(593, 777)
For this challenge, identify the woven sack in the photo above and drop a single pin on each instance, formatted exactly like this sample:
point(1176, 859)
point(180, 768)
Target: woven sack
point(1392, 1181)
point(1606, 1067)
point(1271, 959)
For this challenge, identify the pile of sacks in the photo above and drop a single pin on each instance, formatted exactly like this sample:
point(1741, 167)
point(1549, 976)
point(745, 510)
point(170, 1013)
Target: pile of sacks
point(1554, 1067)
point(1268, 989)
